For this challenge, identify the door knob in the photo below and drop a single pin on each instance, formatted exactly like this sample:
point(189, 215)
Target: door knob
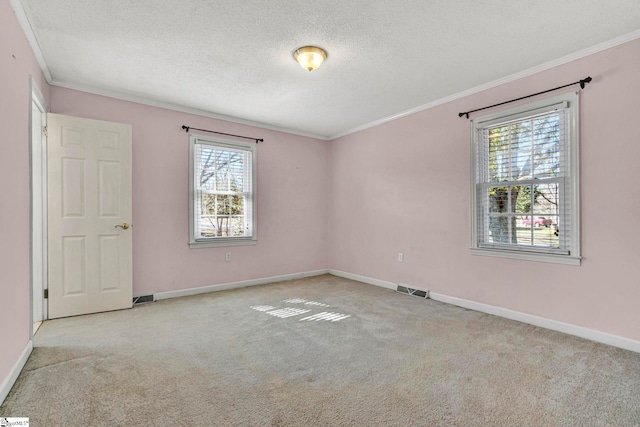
point(124, 225)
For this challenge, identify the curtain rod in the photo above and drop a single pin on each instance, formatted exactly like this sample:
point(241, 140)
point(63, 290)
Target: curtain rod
point(581, 82)
point(186, 129)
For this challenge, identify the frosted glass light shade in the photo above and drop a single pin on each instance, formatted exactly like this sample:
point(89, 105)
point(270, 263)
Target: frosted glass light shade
point(310, 57)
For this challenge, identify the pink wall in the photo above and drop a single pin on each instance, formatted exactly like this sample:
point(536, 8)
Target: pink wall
point(351, 204)
point(292, 198)
point(405, 187)
point(16, 64)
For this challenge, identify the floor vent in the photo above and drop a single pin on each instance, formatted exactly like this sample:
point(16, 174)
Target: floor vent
point(142, 299)
point(411, 291)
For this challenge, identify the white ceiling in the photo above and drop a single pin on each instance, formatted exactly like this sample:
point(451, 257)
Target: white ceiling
point(233, 59)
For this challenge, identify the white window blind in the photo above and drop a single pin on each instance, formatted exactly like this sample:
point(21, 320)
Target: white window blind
point(524, 181)
point(223, 200)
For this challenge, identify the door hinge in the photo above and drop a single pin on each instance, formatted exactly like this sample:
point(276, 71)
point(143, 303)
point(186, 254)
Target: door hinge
point(45, 131)
point(46, 293)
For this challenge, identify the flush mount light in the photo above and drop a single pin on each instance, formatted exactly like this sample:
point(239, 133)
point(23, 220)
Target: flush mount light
point(310, 57)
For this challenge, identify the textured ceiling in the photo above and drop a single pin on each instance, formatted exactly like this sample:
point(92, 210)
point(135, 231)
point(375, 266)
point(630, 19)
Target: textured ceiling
point(234, 58)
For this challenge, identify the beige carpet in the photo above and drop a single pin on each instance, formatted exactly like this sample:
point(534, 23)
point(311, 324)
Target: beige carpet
point(268, 356)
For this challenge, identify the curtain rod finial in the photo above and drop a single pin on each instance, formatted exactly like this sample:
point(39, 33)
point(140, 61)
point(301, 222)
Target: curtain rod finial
point(186, 128)
point(583, 82)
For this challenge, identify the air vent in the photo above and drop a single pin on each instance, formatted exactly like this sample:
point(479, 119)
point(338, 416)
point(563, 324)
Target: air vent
point(411, 291)
point(142, 299)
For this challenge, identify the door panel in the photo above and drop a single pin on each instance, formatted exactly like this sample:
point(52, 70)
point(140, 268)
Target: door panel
point(74, 278)
point(73, 192)
point(90, 258)
point(109, 247)
point(109, 189)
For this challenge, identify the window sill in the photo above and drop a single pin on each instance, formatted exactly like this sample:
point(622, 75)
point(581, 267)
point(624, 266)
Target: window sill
point(221, 243)
point(528, 256)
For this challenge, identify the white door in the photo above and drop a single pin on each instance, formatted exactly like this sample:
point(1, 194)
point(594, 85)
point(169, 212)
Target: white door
point(89, 208)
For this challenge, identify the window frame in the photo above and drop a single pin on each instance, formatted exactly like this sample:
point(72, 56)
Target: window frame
point(549, 255)
point(203, 242)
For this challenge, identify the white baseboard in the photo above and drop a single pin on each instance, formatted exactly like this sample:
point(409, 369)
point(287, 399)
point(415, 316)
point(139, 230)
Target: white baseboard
point(235, 285)
point(363, 279)
point(10, 380)
point(567, 328)
point(579, 331)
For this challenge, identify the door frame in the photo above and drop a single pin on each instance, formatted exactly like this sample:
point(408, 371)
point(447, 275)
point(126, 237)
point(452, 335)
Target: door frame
point(38, 204)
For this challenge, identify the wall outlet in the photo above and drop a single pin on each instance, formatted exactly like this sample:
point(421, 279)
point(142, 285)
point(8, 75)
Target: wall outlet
point(400, 257)
point(227, 256)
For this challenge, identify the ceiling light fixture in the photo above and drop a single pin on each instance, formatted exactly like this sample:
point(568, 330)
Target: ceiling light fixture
point(310, 57)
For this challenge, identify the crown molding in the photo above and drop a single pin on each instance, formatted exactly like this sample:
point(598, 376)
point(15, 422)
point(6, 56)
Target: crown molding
point(28, 30)
point(508, 79)
point(21, 16)
point(181, 108)
point(35, 47)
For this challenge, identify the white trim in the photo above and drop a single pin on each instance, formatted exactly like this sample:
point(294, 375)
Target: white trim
point(139, 99)
point(218, 143)
point(527, 256)
point(10, 380)
point(37, 52)
point(222, 242)
point(508, 79)
point(39, 97)
point(26, 26)
point(235, 285)
point(38, 171)
point(579, 331)
point(21, 16)
point(364, 279)
point(569, 100)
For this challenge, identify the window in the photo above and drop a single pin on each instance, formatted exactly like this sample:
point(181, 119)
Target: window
point(222, 208)
point(525, 172)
